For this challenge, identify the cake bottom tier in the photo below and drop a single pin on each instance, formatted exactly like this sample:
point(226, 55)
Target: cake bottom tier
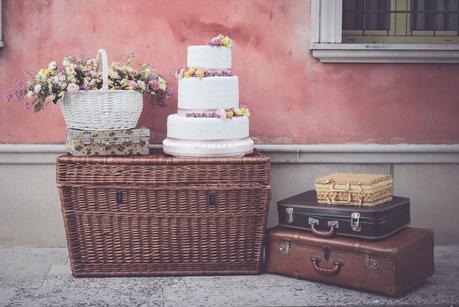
point(207, 137)
point(181, 148)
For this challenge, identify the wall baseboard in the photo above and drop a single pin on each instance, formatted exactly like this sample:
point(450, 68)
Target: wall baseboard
point(45, 154)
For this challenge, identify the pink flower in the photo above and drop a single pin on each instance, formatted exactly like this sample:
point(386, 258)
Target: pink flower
point(72, 88)
point(154, 84)
point(133, 84)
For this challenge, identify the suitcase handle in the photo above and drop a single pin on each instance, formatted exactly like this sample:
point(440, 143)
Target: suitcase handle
point(329, 233)
point(347, 189)
point(337, 266)
point(333, 200)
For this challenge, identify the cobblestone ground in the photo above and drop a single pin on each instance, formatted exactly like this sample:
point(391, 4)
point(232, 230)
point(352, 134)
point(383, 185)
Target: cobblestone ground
point(41, 277)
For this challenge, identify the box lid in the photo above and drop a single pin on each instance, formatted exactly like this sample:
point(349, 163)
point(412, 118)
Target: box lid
point(363, 179)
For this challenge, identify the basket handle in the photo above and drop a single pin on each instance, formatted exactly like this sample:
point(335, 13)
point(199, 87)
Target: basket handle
point(102, 55)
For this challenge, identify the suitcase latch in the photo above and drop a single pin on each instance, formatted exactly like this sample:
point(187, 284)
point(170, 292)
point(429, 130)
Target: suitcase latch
point(355, 221)
point(285, 248)
point(370, 263)
point(289, 212)
point(136, 137)
point(327, 251)
point(86, 139)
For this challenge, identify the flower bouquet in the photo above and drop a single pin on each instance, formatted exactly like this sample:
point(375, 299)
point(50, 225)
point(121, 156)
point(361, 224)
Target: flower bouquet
point(91, 99)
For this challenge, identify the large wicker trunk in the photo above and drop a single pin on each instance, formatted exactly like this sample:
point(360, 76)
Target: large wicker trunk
point(158, 215)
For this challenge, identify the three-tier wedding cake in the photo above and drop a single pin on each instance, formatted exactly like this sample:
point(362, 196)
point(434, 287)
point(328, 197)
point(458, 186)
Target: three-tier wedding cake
point(210, 121)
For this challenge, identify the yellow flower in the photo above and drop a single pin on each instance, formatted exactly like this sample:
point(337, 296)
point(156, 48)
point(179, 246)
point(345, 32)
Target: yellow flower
point(226, 41)
point(46, 72)
point(192, 69)
point(200, 73)
point(237, 111)
point(186, 74)
point(245, 112)
point(229, 114)
point(162, 84)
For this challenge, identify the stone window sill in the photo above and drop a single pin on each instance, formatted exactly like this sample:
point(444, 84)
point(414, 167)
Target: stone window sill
point(385, 53)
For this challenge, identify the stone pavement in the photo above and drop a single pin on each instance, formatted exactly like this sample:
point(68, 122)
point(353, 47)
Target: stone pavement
point(41, 277)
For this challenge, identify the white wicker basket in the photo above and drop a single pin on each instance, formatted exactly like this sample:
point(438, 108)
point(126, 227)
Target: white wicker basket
point(102, 109)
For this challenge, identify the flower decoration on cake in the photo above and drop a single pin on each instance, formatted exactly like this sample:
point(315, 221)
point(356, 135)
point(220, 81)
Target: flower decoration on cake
point(193, 72)
point(221, 41)
point(221, 113)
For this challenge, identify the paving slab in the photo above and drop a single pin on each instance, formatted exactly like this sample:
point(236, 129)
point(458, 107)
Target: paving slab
point(27, 266)
point(57, 287)
point(87, 296)
point(6, 294)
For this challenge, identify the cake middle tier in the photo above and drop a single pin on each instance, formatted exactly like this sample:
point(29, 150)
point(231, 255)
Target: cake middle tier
point(195, 94)
point(207, 129)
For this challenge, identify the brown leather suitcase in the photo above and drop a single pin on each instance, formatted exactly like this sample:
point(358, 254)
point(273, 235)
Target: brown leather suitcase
point(391, 267)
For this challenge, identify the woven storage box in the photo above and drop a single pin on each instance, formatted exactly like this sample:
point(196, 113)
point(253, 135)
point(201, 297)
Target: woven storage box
point(108, 143)
point(354, 189)
point(159, 215)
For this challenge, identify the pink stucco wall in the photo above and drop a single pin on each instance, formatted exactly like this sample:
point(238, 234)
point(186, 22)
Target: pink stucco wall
point(294, 98)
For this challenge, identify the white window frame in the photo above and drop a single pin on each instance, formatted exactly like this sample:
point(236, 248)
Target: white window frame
point(1, 22)
point(327, 46)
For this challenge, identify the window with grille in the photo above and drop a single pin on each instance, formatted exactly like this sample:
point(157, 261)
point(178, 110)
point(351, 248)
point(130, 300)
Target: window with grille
point(400, 21)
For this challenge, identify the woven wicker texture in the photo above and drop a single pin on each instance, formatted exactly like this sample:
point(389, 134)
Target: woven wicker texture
point(354, 189)
point(354, 178)
point(102, 109)
point(130, 220)
point(162, 169)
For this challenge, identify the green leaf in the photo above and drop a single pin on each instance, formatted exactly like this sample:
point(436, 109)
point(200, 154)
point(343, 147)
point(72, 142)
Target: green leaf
point(37, 106)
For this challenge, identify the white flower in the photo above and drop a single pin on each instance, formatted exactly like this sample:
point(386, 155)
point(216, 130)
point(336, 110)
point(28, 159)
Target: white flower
point(113, 74)
point(221, 113)
point(72, 88)
point(66, 62)
point(37, 88)
point(29, 94)
point(141, 84)
point(52, 65)
point(70, 70)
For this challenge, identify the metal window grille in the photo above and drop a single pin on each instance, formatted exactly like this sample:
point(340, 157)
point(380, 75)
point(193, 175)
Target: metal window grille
point(401, 17)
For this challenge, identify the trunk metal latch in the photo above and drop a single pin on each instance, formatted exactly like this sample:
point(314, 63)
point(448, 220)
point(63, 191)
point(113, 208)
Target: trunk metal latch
point(289, 212)
point(355, 221)
point(285, 248)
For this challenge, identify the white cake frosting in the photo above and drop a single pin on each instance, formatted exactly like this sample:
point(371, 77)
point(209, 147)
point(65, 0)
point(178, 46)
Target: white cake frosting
point(207, 129)
point(204, 136)
point(208, 93)
point(209, 57)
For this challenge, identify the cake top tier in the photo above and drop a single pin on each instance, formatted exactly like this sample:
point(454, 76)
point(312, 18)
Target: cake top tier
point(215, 55)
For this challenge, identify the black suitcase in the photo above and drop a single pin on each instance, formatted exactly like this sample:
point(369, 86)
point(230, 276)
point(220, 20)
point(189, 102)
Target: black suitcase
point(302, 211)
